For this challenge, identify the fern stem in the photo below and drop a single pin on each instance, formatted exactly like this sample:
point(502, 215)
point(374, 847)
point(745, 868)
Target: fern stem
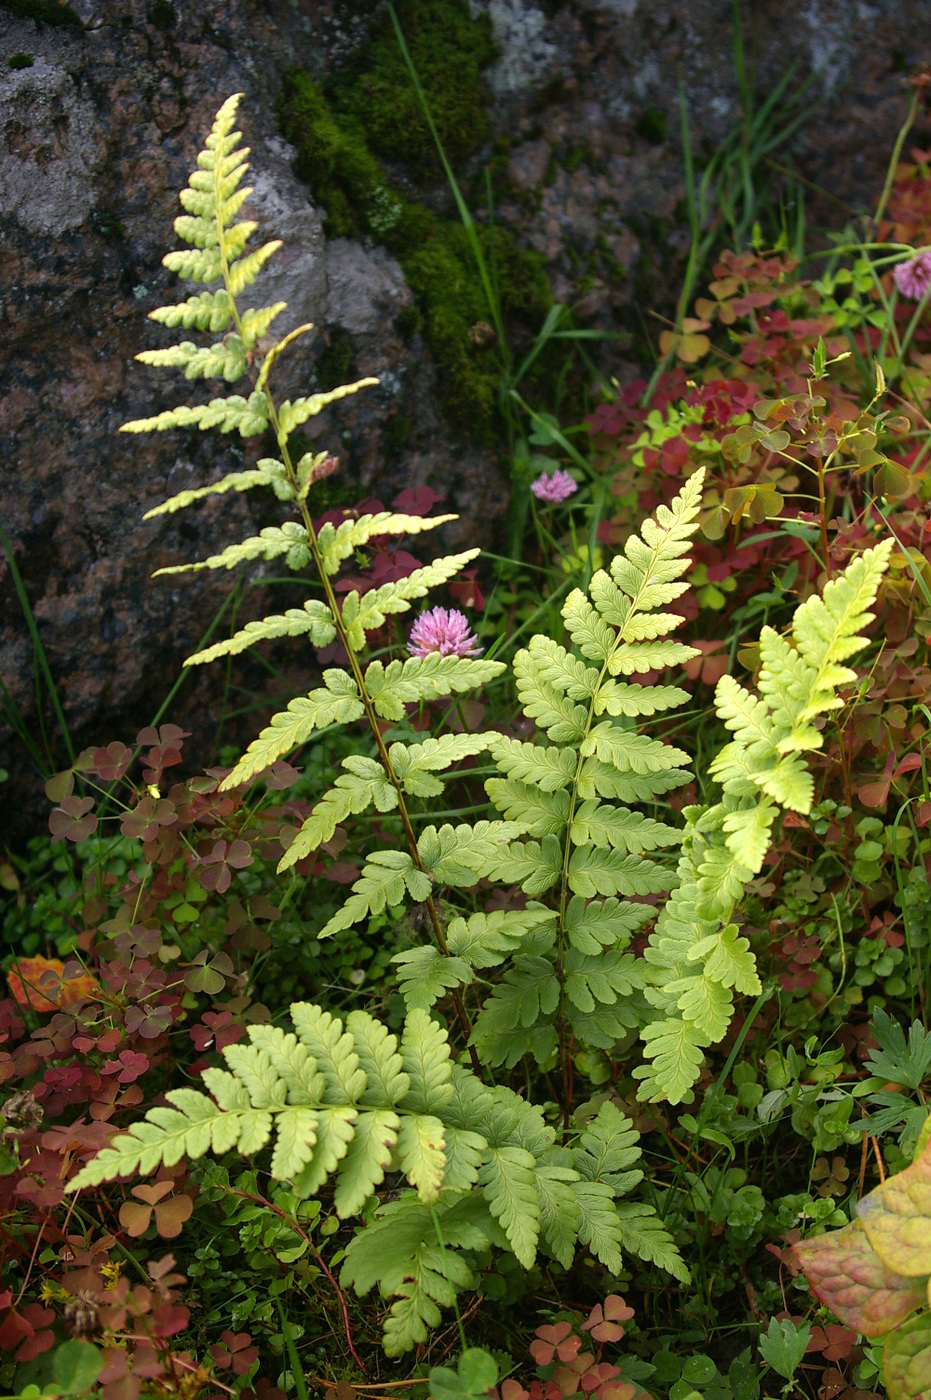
point(333, 605)
point(372, 717)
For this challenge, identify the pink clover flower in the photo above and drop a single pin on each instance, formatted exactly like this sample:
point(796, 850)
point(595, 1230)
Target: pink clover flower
point(553, 489)
point(445, 631)
point(913, 278)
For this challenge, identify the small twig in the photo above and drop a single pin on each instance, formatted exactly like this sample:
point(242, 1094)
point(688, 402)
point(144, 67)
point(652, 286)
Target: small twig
point(879, 1161)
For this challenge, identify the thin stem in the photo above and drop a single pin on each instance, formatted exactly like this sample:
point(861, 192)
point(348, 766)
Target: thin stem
point(295, 1226)
point(894, 158)
point(372, 718)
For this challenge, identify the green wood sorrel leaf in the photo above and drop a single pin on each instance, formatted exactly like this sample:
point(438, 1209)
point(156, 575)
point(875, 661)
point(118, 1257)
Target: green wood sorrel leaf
point(907, 1360)
point(783, 1346)
point(847, 1274)
point(897, 1219)
point(476, 1373)
point(76, 1366)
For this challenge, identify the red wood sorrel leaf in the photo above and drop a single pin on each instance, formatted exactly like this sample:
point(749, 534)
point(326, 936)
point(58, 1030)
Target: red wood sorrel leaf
point(847, 1274)
point(897, 1219)
point(605, 1323)
point(73, 819)
point(907, 1360)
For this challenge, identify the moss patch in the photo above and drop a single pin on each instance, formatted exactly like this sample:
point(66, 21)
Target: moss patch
point(48, 11)
point(450, 50)
point(335, 159)
point(337, 364)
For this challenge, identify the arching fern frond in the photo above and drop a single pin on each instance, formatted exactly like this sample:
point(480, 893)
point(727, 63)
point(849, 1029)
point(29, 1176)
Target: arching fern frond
point(696, 957)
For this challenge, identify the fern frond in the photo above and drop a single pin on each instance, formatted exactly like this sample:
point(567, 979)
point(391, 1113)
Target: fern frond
point(362, 614)
point(209, 311)
point(415, 764)
point(246, 416)
point(619, 827)
point(458, 855)
point(596, 870)
point(549, 769)
point(485, 940)
point(562, 719)
point(292, 415)
point(267, 472)
point(339, 542)
point(633, 701)
point(313, 620)
point(289, 539)
point(428, 677)
point(401, 1254)
point(827, 629)
point(226, 360)
point(539, 812)
point(387, 877)
point(674, 1049)
point(603, 923)
point(244, 270)
point(364, 785)
point(643, 1234)
point(335, 702)
point(597, 779)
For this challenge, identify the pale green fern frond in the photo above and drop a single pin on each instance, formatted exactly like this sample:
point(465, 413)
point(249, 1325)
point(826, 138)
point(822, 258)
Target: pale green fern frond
point(697, 960)
point(267, 472)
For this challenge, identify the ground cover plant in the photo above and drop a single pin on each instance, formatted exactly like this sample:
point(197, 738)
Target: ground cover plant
point(538, 1003)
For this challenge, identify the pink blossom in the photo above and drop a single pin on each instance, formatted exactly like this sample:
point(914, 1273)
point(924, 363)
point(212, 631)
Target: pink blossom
point(913, 278)
point(444, 631)
point(555, 488)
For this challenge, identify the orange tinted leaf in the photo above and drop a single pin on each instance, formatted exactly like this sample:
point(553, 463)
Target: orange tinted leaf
point(847, 1274)
point(892, 480)
point(171, 1215)
point(692, 348)
point(42, 984)
point(60, 785)
point(897, 1219)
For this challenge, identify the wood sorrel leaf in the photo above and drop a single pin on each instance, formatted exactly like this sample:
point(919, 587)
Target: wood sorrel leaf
point(907, 1360)
point(847, 1274)
point(897, 1219)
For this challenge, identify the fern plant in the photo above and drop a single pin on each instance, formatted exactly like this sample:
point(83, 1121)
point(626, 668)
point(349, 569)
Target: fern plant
point(216, 253)
point(578, 828)
point(696, 957)
point(349, 1105)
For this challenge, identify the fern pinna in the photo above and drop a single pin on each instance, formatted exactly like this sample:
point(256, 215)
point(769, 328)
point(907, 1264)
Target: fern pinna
point(578, 829)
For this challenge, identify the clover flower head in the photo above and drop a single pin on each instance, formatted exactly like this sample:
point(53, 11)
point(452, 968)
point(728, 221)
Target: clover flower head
point(445, 631)
point(913, 278)
point(553, 489)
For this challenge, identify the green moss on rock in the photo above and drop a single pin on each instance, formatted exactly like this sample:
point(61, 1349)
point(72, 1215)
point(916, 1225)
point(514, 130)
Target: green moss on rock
point(48, 11)
point(435, 254)
point(450, 49)
point(332, 156)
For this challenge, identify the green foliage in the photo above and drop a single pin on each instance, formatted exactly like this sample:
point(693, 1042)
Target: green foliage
point(783, 1345)
point(451, 47)
point(48, 11)
point(478, 1122)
